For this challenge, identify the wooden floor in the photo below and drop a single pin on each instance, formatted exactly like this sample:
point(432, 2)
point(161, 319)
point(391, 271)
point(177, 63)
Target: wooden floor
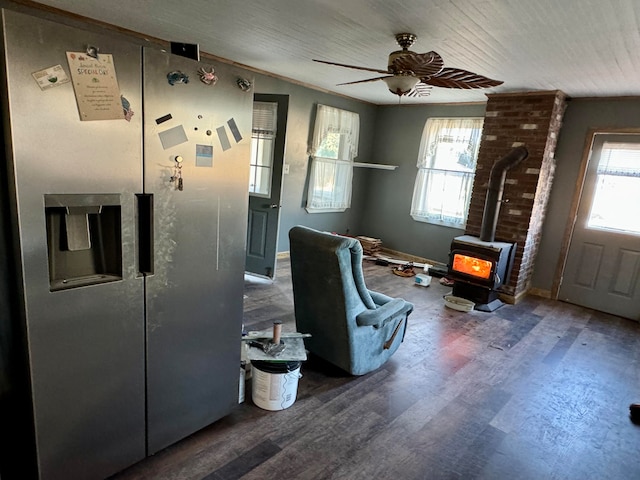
point(539, 390)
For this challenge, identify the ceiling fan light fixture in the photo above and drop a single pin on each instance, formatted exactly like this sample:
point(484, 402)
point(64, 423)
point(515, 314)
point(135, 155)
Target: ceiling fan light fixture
point(401, 84)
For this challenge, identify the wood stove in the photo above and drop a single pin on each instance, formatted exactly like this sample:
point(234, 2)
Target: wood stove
point(479, 269)
point(480, 266)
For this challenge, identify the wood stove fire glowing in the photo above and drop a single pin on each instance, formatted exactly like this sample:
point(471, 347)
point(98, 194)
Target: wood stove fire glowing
point(473, 266)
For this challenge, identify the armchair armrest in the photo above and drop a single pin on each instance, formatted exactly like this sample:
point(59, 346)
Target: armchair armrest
point(379, 298)
point(383, 314)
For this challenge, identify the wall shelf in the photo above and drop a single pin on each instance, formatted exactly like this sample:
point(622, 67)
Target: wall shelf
point(379, 166)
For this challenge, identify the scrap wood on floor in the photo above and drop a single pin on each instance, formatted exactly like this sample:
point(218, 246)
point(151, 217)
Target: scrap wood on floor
point(370, 246)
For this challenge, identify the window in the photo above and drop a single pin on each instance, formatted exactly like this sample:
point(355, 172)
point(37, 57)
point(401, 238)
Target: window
point(616, 203)
point(263, 135)
point(446, 168)
point(335, 145)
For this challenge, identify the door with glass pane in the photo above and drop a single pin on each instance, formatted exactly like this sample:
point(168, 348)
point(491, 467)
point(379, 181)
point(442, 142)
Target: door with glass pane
point(603, 263)
point(265, 182)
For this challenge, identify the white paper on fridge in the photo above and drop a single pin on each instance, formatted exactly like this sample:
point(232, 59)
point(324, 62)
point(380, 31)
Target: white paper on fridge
point(96, 86)
point(50, 77)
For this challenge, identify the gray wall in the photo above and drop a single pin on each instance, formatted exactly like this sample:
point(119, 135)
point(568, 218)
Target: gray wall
point(580, 116)
point(391, 135)
point(397, 141)
point(300, 122)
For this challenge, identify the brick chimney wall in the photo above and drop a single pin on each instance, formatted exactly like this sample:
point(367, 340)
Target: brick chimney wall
point(532, 119)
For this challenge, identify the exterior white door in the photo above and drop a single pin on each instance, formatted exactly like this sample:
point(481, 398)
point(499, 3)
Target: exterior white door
point(603, 263)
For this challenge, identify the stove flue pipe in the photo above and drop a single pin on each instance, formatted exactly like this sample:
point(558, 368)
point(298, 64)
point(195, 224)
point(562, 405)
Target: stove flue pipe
point(493, 199)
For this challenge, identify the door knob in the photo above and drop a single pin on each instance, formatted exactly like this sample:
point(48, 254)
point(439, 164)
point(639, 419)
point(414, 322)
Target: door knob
point(273, 205)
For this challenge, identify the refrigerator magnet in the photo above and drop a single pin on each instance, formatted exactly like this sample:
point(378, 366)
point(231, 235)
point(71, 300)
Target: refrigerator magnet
point(243, 84)
point(234, 130)
point(204, 156)
point(50, 77)
point(164, 118)
point(92, 51)
point(177, 77)
point(126, 108)
point(172, 137)
point(208, 77)
point(224, 139)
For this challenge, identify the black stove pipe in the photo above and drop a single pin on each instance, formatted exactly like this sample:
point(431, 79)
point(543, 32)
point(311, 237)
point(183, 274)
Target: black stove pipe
point(493, 199)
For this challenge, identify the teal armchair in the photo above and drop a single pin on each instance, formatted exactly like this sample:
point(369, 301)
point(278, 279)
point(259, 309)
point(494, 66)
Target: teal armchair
point(351, 326)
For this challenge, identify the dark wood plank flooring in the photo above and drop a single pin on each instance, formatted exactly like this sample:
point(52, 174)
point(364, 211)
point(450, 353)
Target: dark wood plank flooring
point(539, 390)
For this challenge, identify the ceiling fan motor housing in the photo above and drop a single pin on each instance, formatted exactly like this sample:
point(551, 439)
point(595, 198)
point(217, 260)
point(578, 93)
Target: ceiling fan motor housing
point(405, 40)
point(393, 56)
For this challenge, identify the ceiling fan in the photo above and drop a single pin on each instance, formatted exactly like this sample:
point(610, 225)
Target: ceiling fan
point(413, 74)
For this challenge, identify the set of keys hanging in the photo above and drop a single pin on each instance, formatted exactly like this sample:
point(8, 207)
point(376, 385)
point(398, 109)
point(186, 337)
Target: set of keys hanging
point(176, 178)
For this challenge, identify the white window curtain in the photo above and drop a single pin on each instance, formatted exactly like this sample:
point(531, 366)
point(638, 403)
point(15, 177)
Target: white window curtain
point(335, 145)
point(446, 169)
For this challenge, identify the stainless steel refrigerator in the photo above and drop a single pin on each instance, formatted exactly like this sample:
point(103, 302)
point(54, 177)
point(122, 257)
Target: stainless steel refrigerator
point(130, 240)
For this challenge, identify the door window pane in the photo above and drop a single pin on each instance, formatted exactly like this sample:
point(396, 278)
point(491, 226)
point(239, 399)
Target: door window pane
point(263, 133)
point(616, 202)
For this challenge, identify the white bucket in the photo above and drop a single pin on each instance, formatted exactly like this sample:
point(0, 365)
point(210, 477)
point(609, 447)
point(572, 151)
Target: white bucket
point(274, 385)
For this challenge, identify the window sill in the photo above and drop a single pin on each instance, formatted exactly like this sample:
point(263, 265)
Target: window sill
point(378, 166)
point(457, 226)
point(324, 210)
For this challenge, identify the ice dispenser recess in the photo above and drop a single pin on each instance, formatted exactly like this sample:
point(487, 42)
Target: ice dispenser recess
point(84, 239)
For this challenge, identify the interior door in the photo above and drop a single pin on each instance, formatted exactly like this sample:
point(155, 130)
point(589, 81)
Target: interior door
point(603, 263)
point(265, 185)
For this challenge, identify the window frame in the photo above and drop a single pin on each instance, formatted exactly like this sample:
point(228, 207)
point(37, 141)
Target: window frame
point(430, 175)
point(334, 166)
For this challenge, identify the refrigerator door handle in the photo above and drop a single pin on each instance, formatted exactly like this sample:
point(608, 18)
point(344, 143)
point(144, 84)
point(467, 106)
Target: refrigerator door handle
point(144, 204)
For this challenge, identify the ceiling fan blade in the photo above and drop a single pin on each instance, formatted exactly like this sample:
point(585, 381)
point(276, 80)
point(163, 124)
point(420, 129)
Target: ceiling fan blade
point(365, 81)
point(458, 78)
point(354, 66)
point(421, 64)
point(420, 90)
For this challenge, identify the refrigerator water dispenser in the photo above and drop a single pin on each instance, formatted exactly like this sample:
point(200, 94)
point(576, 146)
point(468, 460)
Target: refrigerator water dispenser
point(84, 241)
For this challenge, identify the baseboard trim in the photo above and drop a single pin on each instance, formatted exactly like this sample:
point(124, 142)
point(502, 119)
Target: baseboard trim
point(540, 292)
point(387, 252)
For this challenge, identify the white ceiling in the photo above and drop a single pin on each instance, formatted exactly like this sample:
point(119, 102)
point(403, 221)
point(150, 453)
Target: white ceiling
point(582, 47)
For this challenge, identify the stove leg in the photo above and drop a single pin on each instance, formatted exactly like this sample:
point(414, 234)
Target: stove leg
point(492, 306)
point(486, 299)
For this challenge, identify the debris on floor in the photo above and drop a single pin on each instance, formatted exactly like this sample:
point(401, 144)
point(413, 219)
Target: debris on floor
point(405, 270)
point(370, 245)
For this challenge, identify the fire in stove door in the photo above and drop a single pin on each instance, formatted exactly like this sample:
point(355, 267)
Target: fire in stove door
point(474, 267)
point(479, 268)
